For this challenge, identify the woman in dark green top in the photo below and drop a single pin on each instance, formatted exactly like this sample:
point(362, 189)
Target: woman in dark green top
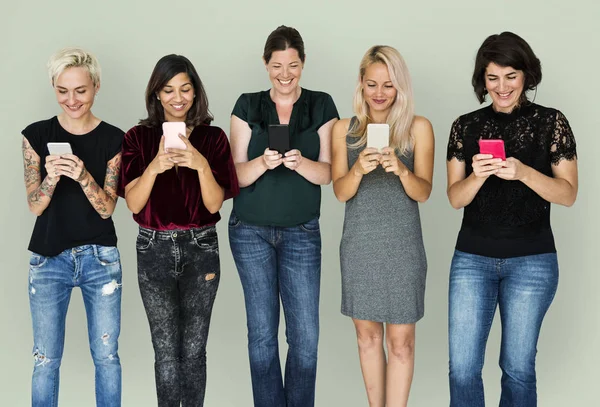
point(274, 226)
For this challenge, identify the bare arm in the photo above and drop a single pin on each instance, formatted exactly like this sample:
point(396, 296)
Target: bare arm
point(317, 172)
point(560, 189)
point(104, 199)
point(417, 184)
point(347, 180)
point(39, 193)
point(249, 171)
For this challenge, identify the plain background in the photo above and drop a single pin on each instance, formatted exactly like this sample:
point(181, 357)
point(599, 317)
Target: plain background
point(224, 39)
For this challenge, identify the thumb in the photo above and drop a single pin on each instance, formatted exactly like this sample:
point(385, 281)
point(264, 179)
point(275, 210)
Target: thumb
point(185, 140)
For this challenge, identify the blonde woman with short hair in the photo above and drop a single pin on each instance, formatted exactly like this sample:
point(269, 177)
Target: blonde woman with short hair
point(72, 188)
point(382, 255)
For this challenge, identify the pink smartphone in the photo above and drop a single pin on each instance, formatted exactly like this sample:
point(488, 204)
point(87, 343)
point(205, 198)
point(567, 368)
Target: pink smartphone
point(495, 147)
point(171, 131)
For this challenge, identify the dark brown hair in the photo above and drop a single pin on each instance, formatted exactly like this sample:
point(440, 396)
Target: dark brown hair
point(506, 49)
point(281, 39)
point(166, 68)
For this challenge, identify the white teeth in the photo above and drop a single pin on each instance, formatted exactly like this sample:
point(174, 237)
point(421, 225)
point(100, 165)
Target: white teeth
point(285, 82)
point(177, 106)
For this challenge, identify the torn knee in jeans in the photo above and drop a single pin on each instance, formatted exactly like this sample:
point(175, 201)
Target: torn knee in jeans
point(39, 358)
point(210, 276)
point(110, 288)
point(105, 338)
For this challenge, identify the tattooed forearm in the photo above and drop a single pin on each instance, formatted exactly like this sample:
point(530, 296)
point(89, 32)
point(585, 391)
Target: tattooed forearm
point(41, 195)
point(101, 202)
point(112, 177)
point(31, 165)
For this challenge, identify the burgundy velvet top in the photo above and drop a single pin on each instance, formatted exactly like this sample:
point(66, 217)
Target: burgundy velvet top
point(176, 200)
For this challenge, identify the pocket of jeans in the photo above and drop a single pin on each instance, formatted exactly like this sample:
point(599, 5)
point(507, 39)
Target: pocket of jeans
point(234, 221)
point(107, 255)
point(310, 226)
point(36, 261)
point(207, 243)
point(143, 242)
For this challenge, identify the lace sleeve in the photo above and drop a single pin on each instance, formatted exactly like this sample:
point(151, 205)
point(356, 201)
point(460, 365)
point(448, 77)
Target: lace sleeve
point(562, 144)
point(455, 143)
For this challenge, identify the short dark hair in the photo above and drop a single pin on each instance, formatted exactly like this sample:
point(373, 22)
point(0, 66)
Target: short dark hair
point(281, 39)
point(506, 49)
point(166, 68)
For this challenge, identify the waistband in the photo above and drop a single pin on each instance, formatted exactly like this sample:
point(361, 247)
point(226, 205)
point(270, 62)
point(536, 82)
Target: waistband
point(176, 234)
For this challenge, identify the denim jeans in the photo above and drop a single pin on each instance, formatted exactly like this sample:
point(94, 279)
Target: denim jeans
point(97, 271)
point(274, 263)
point(523, 288)
point(178, 274)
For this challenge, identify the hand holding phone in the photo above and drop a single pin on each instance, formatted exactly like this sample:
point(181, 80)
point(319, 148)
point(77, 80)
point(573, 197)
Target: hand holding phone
point(279, 138)
point(378, 135)
point(171, 131)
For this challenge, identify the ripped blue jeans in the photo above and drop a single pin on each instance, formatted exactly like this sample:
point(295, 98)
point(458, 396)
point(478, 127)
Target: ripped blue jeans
point(97, 271)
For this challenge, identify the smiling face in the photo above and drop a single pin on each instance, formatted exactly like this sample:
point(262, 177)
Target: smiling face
point(285, 70)
point(177, 97)
point(378, 89)
point(505, 86)
point(75, 92)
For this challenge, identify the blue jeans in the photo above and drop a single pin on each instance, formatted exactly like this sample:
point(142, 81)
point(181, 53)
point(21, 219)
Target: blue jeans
point(523, 288)
point(97, 271)
point(274, 263)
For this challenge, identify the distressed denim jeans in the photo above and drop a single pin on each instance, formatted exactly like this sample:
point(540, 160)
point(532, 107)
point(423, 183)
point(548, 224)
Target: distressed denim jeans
point(280, 263)
point(178, 274)
point(523, 289)
point(97, 271)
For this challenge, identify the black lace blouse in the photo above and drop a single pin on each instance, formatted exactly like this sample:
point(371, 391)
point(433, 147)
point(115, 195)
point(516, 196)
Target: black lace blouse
point(507, 218)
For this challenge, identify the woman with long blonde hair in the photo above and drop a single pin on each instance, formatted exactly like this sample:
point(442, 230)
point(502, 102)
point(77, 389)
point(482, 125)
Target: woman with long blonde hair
point(382, 255)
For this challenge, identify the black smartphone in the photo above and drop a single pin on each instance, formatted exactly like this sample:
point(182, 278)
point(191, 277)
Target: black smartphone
point(279, 138)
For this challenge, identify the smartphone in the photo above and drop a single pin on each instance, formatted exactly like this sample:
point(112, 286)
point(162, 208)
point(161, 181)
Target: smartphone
point(495, 147)
point(279, 138)
point(378, 135)
point(59, 148)
point(171, 131)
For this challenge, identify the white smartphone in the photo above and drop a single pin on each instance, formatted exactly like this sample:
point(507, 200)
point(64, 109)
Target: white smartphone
point(378, 135)
point(172, 130)
point(59, 148)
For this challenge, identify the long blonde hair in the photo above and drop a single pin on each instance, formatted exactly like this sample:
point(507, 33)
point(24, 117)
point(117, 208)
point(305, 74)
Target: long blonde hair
point(401, 115)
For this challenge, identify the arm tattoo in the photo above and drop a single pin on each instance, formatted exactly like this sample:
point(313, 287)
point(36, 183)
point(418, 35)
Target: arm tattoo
point(104, 200)
point(31, 165)
point(45, 189)
point(92, 190)
point(112, 177)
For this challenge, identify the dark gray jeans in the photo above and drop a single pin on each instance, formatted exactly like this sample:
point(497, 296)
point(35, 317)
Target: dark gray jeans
point(178, 274)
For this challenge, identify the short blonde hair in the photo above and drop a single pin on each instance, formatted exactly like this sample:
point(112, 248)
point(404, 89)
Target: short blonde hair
point(73, 57)
point(402, 113)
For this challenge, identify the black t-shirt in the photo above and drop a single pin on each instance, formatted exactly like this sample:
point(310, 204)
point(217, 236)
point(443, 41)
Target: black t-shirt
point(70, 220)
point(507, 218)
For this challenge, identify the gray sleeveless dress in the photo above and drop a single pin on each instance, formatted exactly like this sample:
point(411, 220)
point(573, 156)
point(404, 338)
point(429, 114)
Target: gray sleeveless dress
point(382, 255)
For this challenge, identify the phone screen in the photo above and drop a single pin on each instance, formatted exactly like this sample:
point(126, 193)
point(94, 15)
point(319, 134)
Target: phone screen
point(279, 138)
point(55, 148)
point(378, 135)
point(171, 131)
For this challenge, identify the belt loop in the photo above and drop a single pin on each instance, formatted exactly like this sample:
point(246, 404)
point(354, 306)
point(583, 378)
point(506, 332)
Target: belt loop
point(192, 233)
point(154, 235)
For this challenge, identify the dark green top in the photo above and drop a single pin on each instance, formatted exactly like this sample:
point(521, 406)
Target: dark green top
point(282, 197)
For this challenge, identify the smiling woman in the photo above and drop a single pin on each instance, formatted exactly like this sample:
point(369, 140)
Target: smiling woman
point(74, 196)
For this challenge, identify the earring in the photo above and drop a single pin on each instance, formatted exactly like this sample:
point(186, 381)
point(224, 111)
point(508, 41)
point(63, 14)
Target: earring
point(158, 98)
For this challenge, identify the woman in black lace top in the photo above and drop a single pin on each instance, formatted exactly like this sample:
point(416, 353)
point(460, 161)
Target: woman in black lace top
point(505, 254)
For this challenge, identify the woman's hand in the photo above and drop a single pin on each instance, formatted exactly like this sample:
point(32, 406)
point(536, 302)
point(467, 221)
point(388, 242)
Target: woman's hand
point(272, 159)
point(163, 161)
point(367, 161)
point(391, 163)
point(512, 170)
point(70, 166)
point(190, 157)
point(292, 159)
point(52, 168)
point(485, 165)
